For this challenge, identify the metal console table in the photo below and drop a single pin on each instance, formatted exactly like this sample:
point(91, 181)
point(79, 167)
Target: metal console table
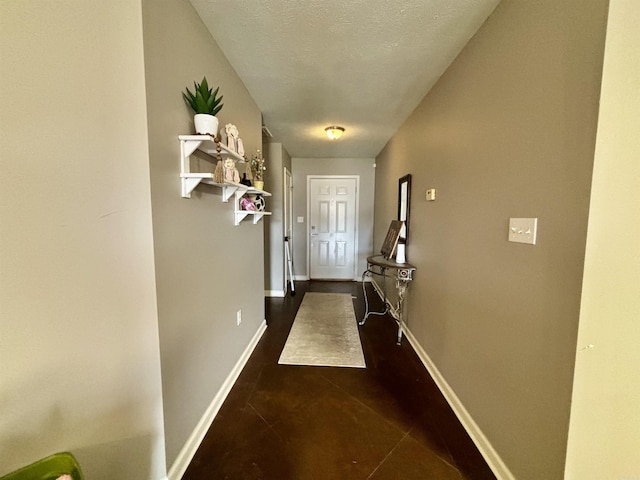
point(401, 273)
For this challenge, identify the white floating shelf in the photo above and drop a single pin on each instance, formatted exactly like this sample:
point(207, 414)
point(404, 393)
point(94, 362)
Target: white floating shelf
point(241, 214)
point(207, 144)
point(189, 180)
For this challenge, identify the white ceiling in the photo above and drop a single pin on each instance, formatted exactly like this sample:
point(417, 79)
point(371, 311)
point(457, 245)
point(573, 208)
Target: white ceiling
point(361, 64)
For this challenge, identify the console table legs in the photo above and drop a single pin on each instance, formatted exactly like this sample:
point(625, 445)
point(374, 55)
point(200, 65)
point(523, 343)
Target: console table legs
point(369, 273)
point(401, 287)
point(401, 284)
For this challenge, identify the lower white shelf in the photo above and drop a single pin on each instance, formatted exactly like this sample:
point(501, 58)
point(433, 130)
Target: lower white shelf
point(242, 214)
point(229, 189)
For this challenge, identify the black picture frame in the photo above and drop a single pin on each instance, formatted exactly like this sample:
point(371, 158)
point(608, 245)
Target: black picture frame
point(404, 205)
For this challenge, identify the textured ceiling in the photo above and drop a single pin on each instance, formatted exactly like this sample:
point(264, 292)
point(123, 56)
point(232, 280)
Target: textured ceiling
point(361, 64)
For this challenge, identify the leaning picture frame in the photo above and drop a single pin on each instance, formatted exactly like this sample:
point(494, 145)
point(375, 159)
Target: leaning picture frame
point(391, 240)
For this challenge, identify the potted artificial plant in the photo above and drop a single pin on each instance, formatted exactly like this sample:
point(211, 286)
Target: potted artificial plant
point(257, 170)
point(206, 104)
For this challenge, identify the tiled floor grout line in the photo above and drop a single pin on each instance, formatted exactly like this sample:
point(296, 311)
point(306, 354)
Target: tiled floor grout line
point(446, 445)
point(387, 456)
point(365, 405)
point(269, 426)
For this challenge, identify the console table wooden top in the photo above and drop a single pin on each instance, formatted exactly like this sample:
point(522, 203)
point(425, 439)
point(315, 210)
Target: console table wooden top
point(380, 261)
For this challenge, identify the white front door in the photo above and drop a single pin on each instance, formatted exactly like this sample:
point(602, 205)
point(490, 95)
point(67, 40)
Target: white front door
point(332, 227)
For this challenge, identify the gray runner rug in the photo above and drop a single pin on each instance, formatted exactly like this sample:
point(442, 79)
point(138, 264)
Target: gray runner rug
point(324, 333)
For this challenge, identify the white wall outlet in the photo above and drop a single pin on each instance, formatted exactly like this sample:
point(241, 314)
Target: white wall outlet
point(523, 230)
point(239, 317)
point(300, 219)
point(431, 194)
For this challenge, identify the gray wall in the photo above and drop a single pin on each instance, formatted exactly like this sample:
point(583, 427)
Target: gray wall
point(79, 359)
point(508, 131)
point(277, 158)
point(302, 167)
point(202, 259)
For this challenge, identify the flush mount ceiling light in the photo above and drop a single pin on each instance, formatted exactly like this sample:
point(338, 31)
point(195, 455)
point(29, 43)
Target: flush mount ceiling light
point(334, 132)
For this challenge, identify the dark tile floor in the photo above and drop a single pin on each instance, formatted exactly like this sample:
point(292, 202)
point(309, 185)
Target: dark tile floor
point(388, 421)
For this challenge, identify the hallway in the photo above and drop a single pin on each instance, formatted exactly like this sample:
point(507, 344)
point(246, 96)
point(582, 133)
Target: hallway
point(388, 421)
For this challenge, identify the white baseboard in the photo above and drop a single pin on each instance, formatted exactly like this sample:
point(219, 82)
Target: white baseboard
point(300, 278)
point(484, 446)
point(193, 442)
point(274, 293)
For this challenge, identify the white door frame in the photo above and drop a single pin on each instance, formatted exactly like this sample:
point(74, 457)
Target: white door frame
point(287, 219)
point(357, 220)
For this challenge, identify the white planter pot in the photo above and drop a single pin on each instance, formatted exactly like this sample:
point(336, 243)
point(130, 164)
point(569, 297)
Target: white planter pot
point(205, 124)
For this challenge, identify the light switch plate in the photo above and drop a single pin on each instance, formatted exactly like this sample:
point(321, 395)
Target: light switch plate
point(300, 219)
point(523, 230)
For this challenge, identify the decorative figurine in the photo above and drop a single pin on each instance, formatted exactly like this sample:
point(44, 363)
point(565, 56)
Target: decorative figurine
point(230, 171)
point(258, 201)
point(232, 136)
point(245, 180)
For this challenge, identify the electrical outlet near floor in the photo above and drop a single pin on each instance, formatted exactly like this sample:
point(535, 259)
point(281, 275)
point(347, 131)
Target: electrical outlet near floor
point(239, 317)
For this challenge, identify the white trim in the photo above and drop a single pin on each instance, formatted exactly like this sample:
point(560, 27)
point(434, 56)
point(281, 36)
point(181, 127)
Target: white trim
point(274, 293)
point(356, 234)
point(193, 442)
point(301, 278)
point(484, 446)
point(287, 225)
point(357, 220)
